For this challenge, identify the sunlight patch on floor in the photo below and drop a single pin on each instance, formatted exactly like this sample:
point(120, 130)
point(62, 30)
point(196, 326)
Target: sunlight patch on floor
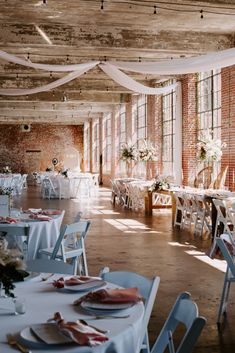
point(130, 226)
point(220, 265)
point(106, 212)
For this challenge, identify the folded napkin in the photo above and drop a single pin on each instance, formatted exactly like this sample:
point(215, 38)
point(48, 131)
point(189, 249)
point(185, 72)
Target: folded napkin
point(84, 335)
point(112, 296)
point(51, 212)
point(8, 220)
point(73, 281)
point(40, 217)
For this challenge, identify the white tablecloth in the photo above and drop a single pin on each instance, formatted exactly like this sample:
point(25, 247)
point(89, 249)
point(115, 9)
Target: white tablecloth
point(6, 179)
point(42, 234)
point(42, 300)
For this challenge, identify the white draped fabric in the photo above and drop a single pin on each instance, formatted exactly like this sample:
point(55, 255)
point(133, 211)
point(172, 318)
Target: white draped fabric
point(201, 63)
point(22, 91)
point(126, 81)
point(170, 67)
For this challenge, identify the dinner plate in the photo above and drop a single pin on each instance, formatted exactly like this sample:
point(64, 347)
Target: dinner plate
point(43, 335)
point(99, 308)
point(96, 283)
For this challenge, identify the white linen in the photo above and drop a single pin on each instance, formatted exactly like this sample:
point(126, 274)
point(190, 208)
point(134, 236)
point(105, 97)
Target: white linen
point(42, 235)
point(42, 301)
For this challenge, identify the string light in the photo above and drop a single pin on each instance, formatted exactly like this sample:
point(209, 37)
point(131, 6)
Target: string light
point(201, 12)
point(176, 7)
point(44, 2)
point(67, 59)
point(51, 74)
point(155, 10)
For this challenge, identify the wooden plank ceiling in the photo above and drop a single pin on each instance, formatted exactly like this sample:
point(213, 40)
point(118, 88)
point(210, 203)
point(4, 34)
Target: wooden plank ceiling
point(80, 31)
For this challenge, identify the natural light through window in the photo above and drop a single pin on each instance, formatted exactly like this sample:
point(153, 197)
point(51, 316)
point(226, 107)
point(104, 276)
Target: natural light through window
point(130, 226)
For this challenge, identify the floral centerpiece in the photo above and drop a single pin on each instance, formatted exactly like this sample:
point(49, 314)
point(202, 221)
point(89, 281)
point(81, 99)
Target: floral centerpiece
point(6, 170)
point(160, 183)
point(210, 149)
point(11, 268)
point(147, 152)
point(128, 153)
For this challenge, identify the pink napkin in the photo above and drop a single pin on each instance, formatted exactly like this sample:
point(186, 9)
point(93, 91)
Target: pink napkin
point(84, 335)
point(9, 220)
point(73, 281)
point(40, 217)
point(112, 296)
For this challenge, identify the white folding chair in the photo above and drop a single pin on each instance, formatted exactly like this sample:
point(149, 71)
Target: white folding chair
point(227, 247)
point(147, 288)
point(48, 189)
point(202, 215)
point(184, 312)
point(71, 246)
point(179, 213)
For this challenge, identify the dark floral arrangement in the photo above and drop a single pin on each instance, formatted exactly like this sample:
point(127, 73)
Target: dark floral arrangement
point(6, 191)
point(11, 268)
point(160, 184)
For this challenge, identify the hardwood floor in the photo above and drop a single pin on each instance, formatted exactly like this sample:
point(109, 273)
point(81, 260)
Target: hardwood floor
point(127, 240)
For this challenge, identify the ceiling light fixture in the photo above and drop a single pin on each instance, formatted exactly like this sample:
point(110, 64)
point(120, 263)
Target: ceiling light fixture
point(102, 5)
point(155, 10)
point(201, 12)
point(44, 2)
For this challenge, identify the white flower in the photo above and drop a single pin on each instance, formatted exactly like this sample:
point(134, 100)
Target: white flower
point(210, 149)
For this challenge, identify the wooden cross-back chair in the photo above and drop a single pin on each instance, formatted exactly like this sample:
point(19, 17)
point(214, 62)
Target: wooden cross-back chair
point(220, 179)
point(204, 177)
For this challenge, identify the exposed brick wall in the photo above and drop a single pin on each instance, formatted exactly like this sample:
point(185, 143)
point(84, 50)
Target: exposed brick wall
point(228, 122)
point(51, 140)
point(189, 128)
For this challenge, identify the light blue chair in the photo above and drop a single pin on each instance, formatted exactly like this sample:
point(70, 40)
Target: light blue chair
point(148, 290)
point(49, 266)
point(230, 271)
point(71, 245)
point(185, 312)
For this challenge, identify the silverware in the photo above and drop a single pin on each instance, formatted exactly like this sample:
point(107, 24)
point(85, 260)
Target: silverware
point(13, 342)
point(45, 278)
point(99, 317)
point(95, 327)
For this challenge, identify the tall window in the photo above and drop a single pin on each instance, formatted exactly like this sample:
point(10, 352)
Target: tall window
point(120, 129)
point(95, 146)
point(107, 152)
point(168, 132)
point(141, 120)
point(209, 103)
point(87, 147)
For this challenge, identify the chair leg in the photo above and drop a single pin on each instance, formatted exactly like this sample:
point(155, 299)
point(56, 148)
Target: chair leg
point(224, 298)
point(145, 345)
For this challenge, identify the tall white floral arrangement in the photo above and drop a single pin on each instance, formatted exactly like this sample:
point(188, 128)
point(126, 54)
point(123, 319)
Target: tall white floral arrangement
point(128, 153)
point(209, 148)
point(147, 152)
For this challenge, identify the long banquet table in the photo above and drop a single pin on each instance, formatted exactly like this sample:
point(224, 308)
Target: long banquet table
point(42, 234)
point(42, 301)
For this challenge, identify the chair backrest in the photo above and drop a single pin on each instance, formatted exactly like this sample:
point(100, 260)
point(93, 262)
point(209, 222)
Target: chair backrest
point(203, 177)
point(18, 230)
point(47, 184)
point(221, 177)
point(147, 288)
point(223, 243)
point(49, 266)
point(80, 227)
point(184, 312)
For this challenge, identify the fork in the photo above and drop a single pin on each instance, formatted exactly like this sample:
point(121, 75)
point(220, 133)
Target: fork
point(13, 342)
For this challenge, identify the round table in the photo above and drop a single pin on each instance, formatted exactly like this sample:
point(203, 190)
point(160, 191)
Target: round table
point(42, 234)
point(43, 300)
